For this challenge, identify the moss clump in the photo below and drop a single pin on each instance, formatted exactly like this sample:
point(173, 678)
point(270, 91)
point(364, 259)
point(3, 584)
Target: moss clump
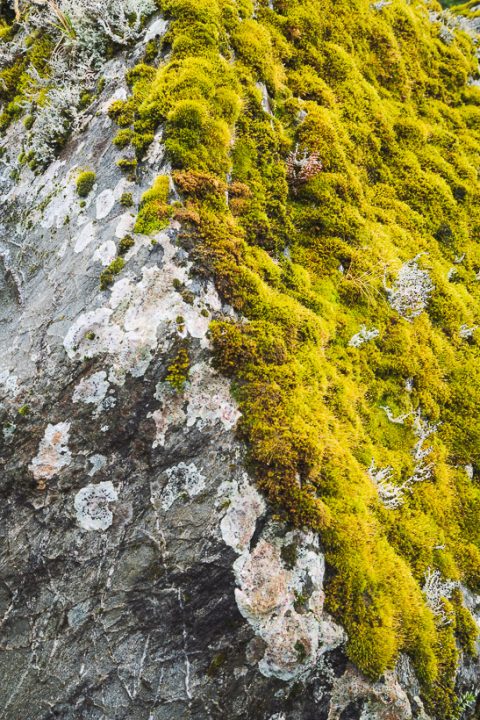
point(107, 277)
point(85, 183)
point(177, 373)
point(154, 211)
point(126, 199)
point(16, 77)
point(129, 165)
point(125, 244)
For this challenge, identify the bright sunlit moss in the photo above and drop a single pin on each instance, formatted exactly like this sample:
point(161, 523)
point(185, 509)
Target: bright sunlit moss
point(379, 103)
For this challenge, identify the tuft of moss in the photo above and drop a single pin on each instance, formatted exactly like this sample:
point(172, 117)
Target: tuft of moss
point(85, 183)
point(107, 276)
point(126, 199)
point(127, 164)
point(125, 244)
point(155, 212)
point(177, 372)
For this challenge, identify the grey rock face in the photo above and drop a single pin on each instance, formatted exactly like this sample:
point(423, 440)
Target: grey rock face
point(141, 577)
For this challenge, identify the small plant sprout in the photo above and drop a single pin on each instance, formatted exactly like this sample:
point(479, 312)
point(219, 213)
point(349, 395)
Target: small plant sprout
point(411, 290)
point(363, 336)
point(465, 702)
point(436, 591)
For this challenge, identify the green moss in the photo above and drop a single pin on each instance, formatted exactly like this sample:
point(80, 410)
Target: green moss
point(126, 199)
point(177, 372)
point(123, 138)
point(128, 165)
point(24, 410)
point(387, 109)
point(125, 244)
point(17, 77)
point(85, 183)
point(154, 211)
point(107, 277)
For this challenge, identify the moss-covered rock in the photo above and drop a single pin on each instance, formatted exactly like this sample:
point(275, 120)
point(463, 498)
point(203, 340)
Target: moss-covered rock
point(326, 156)
point(85, 183)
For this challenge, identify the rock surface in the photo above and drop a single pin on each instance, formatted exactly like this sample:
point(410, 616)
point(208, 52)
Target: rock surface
point(142, 575)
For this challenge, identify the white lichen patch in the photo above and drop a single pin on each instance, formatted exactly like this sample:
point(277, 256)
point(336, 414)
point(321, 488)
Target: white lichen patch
point(281, 595)
point(105, 253)
point(183, 481)
point(262, 580)
point(63, 202)
point(170, 414)
point(85, 237)
point(156, 29)
point(436, 589)
point(119, 94)
point(138, 318)
point(411, 290)
point(124, 225)
point(8, 384)
point(364, 335)
point(104, 204)
point(92, 506)
point(97, 462)
point(209, 399)
point(279, 585)
point(92, 390)
point(466, 332)
point(53, 453)
point(244, 506)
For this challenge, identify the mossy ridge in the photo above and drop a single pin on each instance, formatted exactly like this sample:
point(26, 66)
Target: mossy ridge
point(16, 78)
point(387, 107)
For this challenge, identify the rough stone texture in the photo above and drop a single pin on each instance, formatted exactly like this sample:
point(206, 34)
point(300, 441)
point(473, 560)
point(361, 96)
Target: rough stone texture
point(141, 577)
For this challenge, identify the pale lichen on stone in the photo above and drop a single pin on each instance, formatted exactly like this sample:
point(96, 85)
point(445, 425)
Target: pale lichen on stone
point(92, 506)
point(244, 506)
point(106, 253)
point(85, 237)
point(362, 336)
point(53, 452)
point(8, 383)
point(381, 700)
point(209, 399)
point(279, 585)
point(183, 481)
point(104, 203)
point(92, 390)
point(140, 317)
point(167, 416)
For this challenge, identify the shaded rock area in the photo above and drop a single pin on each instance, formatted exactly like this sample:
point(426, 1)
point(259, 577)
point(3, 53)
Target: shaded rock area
point(142, 576)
